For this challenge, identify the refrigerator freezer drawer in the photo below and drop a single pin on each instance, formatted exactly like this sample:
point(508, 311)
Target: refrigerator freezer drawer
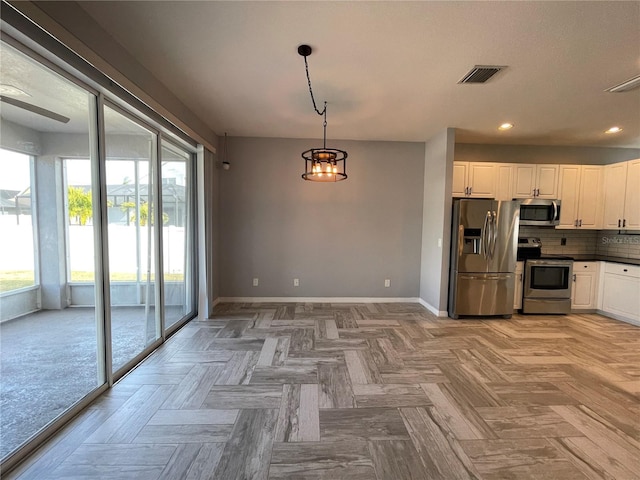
point(482, 294)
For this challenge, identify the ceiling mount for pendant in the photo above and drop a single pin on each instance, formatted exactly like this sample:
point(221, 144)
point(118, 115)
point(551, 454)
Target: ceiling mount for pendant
point(322, 164)
point(304, 50)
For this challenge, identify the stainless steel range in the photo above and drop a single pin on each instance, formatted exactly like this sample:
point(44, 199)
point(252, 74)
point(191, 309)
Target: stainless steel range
point(547, 279)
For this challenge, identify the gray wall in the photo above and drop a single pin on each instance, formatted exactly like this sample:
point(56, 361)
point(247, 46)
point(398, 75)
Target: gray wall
point(19, 138)
point(471, 152)
point(436, 220)
point(340, 239)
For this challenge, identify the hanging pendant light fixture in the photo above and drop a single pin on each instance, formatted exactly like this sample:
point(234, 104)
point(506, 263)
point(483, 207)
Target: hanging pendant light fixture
point(322, 164)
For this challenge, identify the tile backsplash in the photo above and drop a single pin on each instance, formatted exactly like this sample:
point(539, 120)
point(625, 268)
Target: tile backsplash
point(577, 241)
point(610, 243)
point(600, 242)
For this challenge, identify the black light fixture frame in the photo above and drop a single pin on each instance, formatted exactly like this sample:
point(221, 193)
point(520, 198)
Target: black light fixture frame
point(322, 164)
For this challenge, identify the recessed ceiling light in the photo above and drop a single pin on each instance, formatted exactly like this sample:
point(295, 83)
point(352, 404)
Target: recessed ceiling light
point(6, 89)
point(613, 130)
point(505, 126)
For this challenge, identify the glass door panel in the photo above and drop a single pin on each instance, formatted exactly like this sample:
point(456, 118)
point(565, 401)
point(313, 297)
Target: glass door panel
point(51, 353)
point(177, 213)
point(130, 160)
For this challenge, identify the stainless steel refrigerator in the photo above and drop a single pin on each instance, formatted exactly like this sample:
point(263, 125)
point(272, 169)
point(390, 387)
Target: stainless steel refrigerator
point(484, 241)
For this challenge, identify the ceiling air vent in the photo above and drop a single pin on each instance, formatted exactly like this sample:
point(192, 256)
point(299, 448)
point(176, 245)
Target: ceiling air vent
point(481, 73)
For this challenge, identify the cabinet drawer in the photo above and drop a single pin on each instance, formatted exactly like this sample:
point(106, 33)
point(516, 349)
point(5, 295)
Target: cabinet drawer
point(585, 267)
point(622, 269)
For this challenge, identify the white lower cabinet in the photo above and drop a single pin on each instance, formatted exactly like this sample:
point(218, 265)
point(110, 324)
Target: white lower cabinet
point(584, 293)
point(517, 298)
point(620, 291)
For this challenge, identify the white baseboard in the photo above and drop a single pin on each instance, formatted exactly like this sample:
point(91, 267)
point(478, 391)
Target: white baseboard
point(318, 300)
point(632, 321)
point(432, 309)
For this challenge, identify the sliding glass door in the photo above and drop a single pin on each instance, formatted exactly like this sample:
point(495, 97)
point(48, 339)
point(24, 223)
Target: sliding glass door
point(91, 196)
point(131, 153)
point(52, 355)
point(177, 240)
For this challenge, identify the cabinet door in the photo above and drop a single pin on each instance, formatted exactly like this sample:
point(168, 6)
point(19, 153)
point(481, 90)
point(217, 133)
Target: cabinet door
point(615, 181)
point(547, 181)
point(632, 196)
point(584, 293)
point(590, 198)
point(524, 181)
point(583, 284)
point(620, 296)
point(504, 181)
point(459, 179)
point(568, 193)
point(482, 180)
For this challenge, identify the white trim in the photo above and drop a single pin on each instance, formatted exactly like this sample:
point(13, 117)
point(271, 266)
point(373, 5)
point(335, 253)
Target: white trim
point(317, 300)
point(432, 309)
point(216, 301)
point(614, 316)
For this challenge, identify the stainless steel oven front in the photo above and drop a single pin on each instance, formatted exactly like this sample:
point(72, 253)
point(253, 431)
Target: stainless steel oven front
point(547, 286)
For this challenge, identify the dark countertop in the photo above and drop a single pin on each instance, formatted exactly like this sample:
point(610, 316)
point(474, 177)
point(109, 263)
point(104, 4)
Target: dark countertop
point(592, 257)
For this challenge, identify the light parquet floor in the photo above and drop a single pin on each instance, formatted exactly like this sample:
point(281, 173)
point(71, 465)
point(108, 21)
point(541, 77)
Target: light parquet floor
point(365, 391)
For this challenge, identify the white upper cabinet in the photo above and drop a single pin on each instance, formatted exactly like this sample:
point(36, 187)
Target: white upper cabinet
point(474, 179)
point(632, 196)
point(622, 196)
point(580, 190)
point(535, 181)
point(504, 181)
point(524, 179)
point(460, 187)
point(569, 192)
point(590, 200)
point(615, 181)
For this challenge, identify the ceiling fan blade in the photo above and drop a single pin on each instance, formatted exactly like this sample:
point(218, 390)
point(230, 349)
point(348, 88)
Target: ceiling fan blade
point(35, 109)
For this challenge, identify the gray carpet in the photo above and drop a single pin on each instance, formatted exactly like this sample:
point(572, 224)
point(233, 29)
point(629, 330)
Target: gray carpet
point(49, 362)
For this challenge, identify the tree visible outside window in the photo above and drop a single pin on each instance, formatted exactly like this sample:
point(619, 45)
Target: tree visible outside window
point(80, 205)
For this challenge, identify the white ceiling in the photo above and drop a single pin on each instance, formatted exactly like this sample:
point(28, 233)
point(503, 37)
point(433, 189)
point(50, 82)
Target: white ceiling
point(389, 70)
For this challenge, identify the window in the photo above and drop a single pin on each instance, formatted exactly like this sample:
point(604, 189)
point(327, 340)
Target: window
point(17, 249)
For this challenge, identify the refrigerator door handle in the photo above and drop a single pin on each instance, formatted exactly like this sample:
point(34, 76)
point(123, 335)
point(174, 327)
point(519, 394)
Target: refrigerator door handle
point(491, 235)
point(494, 229)
point(485, 235)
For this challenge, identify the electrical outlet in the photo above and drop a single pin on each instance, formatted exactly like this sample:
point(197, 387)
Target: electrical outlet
point(563, 241)
point(255, 282)
point(387, 282)
point(296, 282)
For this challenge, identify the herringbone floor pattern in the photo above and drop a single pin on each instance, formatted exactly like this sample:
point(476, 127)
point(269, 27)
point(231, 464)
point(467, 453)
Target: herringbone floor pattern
point(366, 391)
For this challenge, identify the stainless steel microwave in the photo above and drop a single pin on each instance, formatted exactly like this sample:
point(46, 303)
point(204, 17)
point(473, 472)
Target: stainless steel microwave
point(542, 213)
